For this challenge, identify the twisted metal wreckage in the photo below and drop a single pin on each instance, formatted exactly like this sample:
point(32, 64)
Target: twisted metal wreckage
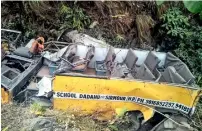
point(88, 76)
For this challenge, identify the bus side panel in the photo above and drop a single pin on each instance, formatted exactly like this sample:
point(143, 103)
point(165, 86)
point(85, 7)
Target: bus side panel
point(79, 86)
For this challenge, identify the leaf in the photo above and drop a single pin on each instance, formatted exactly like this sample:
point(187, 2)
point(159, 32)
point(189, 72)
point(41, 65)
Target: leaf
point(5, 129)
point(164, 25)
point(113, 128)
point(159, 2)
point(193, 6)
point(181, 36)
point(169, 32)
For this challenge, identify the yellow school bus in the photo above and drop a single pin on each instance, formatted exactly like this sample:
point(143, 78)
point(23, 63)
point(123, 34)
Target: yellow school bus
point(143, 88)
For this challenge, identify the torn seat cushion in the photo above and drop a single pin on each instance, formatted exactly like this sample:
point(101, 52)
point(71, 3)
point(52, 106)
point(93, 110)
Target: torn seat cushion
point(119, 71)
point(83, 62)
point(180, 67)
point(68, 55)
point(70, 52)
point(90, 54)
point(130, 59)
point(80, 67)
point(152, 61)
point(170, 75)
point(184, 71)
point(23, 51)
point(171, 60)
point(143, 72)
point(109, 60)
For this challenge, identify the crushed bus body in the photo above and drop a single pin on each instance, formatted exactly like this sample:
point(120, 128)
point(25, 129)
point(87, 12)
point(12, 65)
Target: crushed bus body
point(101, 81)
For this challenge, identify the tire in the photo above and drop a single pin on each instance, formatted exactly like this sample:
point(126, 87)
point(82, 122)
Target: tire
point(130, 122)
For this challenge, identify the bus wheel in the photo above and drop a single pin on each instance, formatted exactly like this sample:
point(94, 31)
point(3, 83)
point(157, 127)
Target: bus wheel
point(131, 121)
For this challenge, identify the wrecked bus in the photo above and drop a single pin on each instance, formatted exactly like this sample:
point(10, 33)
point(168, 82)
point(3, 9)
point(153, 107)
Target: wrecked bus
point(113, 80)
point(105, 82)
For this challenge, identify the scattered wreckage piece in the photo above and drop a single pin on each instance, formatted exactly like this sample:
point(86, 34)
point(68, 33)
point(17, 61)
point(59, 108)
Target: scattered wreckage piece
point(172, 123)
point(11, 37)
point(54, 46)
point(79, 38)
point(16, 71)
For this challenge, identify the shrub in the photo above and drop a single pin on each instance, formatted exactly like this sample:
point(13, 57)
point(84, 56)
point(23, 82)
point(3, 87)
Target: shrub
point(174, 28)
point(175, 23)
point(73, 17)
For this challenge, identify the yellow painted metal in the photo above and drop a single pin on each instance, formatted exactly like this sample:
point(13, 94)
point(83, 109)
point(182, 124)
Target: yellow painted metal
point(4, 96)
point(104, 109)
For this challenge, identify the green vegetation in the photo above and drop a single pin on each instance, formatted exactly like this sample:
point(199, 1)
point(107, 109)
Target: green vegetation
point(37, 109)
point(193, 6)
point(5, 129)
point(15, 117)
point(113, 128)
point(174, 27)
point(175, 23)
point(51, 18)
point(73, 17)
point(190, 51)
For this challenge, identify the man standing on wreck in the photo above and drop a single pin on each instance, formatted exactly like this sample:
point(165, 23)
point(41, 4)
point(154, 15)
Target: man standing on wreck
point(37, 45)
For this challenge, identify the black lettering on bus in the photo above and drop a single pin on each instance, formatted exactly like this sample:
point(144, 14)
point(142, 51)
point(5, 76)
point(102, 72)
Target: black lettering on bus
point(134, 99)
point(148, 102)
point(123, 98)
point(129, 98)
point(140, 100)
point(58, 94)
point(172, 105)
point(157, 103)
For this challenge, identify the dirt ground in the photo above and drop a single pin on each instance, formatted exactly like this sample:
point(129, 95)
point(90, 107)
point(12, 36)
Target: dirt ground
point(15, 118)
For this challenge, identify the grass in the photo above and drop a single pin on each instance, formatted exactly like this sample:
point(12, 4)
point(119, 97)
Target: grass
point(14, 115)
point(197, 117)
point(37, 109)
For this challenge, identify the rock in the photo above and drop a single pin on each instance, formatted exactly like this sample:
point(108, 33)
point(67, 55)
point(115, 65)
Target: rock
point(38, 124)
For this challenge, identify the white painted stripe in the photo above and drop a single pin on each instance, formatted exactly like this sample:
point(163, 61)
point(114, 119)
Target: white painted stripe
point(163, 104)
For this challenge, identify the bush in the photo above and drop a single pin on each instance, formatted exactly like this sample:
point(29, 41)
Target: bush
point(175, 23)
point(73, 17)
point(174, 28)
